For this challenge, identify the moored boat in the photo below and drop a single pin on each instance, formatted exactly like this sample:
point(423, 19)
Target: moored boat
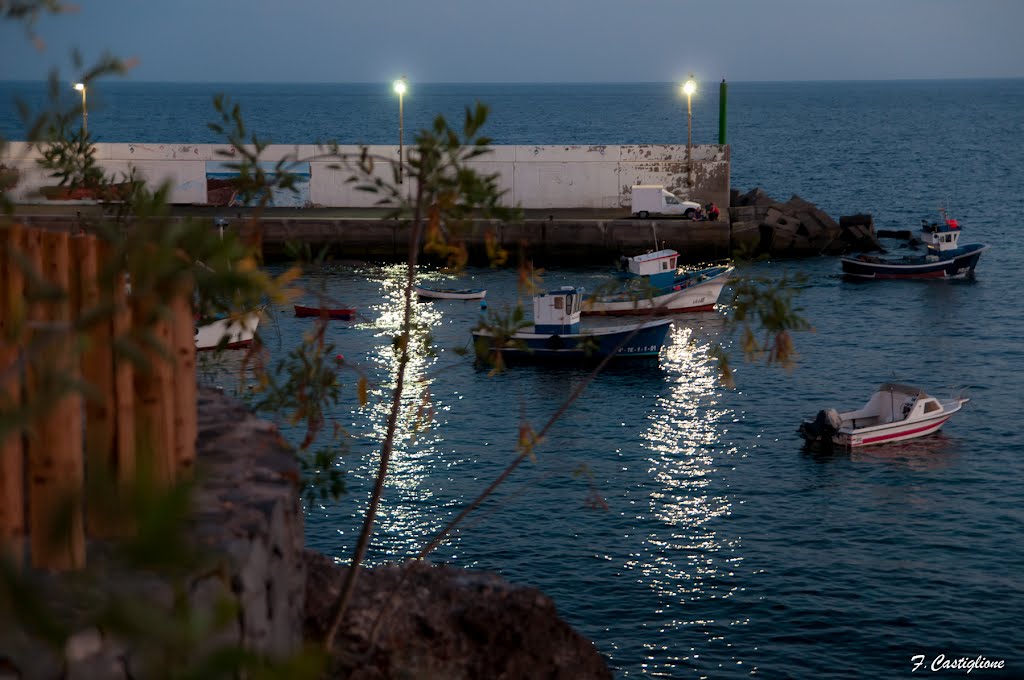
point(652, 284)
point(236, 331)
point(344, 313)
point(894, 413)
point(427, 293)
point(557, 335)
point(945, 258)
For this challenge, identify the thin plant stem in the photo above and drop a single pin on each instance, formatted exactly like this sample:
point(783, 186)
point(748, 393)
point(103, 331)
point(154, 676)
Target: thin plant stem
point(385, 456)
point(443, 534)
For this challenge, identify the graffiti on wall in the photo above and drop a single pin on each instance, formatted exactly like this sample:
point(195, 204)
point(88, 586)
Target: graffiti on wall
point(221, 180)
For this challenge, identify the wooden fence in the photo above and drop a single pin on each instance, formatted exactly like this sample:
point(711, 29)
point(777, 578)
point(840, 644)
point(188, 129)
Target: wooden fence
point(72, 407)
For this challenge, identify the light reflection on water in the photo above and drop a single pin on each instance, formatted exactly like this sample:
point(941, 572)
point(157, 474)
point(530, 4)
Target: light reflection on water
point(417, 429)
point(686, 553)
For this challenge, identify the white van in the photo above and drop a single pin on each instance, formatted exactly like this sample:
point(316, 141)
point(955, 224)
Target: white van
point(653, 199)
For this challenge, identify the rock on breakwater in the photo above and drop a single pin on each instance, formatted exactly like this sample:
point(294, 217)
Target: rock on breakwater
point(797, 228)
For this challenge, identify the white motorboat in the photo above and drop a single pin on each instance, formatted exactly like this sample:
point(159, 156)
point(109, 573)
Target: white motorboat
point(894, 413)
point(231, 332)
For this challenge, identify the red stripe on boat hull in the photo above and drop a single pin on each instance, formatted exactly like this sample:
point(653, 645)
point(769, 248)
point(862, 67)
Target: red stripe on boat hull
point(903, 433)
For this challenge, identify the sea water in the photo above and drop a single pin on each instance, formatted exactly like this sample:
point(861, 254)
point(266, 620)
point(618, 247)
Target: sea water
point(677, 523)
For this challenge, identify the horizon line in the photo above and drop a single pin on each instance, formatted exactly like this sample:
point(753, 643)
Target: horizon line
point(125, 79)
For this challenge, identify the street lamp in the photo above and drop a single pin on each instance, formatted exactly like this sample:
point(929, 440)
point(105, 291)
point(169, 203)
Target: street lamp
point(689, 87)
point(85, 112)
point(400, 86)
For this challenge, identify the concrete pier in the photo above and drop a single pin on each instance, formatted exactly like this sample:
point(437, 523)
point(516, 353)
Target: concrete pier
point(550, 236)
point(576, 199)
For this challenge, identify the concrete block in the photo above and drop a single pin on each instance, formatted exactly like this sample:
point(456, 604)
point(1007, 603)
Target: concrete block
point(746, 236)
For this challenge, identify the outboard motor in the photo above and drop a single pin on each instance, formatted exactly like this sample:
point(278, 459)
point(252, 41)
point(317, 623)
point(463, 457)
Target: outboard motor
point(823, 427)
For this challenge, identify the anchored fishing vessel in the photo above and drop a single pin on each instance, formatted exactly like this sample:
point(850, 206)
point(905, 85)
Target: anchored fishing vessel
point(651, 284)
point(944, 259)
point(557, 335)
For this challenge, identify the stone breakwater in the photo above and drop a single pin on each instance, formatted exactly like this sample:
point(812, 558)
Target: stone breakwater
point(247, 521)
point(760, 225)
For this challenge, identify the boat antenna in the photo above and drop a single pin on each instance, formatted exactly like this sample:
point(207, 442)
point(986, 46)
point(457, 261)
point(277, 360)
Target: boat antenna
point(654, 233)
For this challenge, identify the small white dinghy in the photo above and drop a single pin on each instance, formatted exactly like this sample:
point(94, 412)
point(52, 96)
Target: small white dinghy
point(894, 413)
point(233, 332)
point(424, 293)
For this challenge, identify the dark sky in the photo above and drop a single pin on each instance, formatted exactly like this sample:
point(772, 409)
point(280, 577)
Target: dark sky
point(531, 40)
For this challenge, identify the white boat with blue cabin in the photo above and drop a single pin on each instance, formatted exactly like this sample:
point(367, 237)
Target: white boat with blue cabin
point(558, 336)
point(652, 284)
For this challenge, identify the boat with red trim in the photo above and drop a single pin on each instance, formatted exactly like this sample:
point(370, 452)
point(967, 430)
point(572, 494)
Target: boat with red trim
point(652, 284)
point(344, 314)
point(894, 413)
point(230, 331)
point(944, 259)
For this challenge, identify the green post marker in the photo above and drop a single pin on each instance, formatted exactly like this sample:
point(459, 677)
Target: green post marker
point(722, 95)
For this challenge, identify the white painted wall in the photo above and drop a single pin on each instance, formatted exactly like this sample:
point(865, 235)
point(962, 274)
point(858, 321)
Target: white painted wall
point(535, 177)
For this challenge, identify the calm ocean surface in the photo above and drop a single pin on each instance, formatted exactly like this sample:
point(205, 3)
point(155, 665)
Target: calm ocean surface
point(725, 551)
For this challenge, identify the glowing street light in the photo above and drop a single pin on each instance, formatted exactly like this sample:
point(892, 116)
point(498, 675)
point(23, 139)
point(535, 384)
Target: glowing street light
point(85, 112)
point(400, 87)
point(689, 87)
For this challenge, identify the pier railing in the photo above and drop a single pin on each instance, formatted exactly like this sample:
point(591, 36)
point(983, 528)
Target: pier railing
point(97, 384)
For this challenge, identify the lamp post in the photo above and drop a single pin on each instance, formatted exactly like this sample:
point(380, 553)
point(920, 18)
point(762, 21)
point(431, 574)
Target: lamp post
point(85, 112)
point(689, 87)
point(400, 86)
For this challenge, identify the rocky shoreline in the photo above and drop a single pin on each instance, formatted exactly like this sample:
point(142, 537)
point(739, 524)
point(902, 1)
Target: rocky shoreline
point(247, 522)
point(438, 621)
point(762, 225)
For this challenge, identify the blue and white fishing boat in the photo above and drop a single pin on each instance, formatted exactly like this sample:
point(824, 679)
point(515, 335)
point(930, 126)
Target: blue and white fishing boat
point(652, 284)
point(944, 259)
point(557, 335)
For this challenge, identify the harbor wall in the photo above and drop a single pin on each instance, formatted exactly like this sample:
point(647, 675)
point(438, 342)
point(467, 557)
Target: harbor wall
point(558, 238)
point(534, 177)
